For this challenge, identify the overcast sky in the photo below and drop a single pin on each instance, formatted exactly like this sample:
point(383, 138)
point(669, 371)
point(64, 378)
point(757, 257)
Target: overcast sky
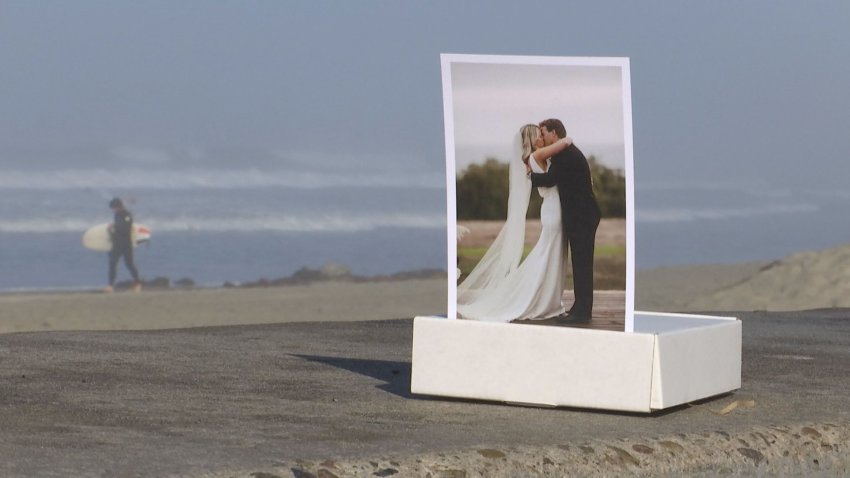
point(492, 100)
point(722, 91)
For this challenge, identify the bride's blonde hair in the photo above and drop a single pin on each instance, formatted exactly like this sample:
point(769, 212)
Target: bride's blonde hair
point(529, 134)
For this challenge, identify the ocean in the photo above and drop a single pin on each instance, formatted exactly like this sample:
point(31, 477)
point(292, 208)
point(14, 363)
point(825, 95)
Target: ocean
point(216, 227)
point(243, 225)
point(709, 223)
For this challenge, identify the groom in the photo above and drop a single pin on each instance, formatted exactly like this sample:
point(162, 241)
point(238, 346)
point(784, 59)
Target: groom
point(579, 214)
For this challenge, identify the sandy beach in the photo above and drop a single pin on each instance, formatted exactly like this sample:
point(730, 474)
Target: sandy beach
point(169, 309)
point(806, 280)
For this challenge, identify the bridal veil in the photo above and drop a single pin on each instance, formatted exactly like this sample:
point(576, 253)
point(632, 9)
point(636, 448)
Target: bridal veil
point(504, 255)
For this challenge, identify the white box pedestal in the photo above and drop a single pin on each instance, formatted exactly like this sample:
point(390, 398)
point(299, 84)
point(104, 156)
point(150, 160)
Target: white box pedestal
point(669, 359)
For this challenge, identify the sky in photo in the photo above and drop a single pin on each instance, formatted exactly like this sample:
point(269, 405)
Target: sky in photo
point(490, 101)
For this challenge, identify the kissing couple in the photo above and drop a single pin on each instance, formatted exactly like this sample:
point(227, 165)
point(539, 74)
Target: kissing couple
point(502, 287)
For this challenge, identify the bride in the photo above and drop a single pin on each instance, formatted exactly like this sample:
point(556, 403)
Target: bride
point(499, 288)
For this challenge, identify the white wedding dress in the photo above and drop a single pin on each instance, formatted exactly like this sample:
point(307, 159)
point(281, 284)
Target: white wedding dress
point(532, 289)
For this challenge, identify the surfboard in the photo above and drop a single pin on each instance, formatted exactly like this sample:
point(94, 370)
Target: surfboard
point(97, 238)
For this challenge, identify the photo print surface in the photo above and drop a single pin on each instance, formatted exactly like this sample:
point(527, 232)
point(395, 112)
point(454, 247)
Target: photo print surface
point(540, 192)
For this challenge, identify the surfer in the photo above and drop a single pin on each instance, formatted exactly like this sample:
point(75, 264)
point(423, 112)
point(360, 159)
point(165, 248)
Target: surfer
point(122, 244)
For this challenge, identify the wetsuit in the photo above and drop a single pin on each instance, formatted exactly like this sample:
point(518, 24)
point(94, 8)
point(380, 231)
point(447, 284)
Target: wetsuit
point(122, 245)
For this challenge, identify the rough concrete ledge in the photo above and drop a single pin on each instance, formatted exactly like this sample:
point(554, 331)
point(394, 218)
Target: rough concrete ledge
point(332, 399)
point(800, 450)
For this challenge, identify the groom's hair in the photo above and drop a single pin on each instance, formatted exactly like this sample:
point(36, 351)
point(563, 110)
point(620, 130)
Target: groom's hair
point(555, 125)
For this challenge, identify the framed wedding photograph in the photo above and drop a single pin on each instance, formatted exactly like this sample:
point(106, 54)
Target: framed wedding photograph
point(541, 235)
point(539, 179)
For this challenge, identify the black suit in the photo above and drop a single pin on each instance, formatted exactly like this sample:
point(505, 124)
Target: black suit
point(580, 216)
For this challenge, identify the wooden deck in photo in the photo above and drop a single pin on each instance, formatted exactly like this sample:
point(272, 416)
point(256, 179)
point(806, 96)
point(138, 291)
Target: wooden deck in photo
point(609, 312)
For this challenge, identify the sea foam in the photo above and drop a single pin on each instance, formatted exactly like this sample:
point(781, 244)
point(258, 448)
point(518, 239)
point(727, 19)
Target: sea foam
point(212, 179)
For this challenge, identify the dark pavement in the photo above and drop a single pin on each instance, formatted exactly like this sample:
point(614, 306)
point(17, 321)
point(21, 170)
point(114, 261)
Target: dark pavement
point(232, 401)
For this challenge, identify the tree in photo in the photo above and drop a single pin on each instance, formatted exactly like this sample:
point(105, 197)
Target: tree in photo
point(482, 191)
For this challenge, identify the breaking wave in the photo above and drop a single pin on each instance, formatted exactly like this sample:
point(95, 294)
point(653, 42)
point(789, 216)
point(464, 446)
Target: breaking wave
point(318, 223)
point(211, 179)
point(660, 215)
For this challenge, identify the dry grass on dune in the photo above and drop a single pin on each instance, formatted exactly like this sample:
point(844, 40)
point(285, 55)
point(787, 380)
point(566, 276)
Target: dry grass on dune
point(609, 262)
point(482, 233)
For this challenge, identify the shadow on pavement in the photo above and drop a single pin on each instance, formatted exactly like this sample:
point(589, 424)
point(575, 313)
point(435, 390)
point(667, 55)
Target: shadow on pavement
point(395, 374)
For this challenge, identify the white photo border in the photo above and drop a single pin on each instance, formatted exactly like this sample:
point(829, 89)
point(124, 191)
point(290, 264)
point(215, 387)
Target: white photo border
point(446, 60)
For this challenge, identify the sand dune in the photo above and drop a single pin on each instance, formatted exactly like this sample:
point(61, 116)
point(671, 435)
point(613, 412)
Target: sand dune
point(801, 281)
point(806, 280)
point(679, 289)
